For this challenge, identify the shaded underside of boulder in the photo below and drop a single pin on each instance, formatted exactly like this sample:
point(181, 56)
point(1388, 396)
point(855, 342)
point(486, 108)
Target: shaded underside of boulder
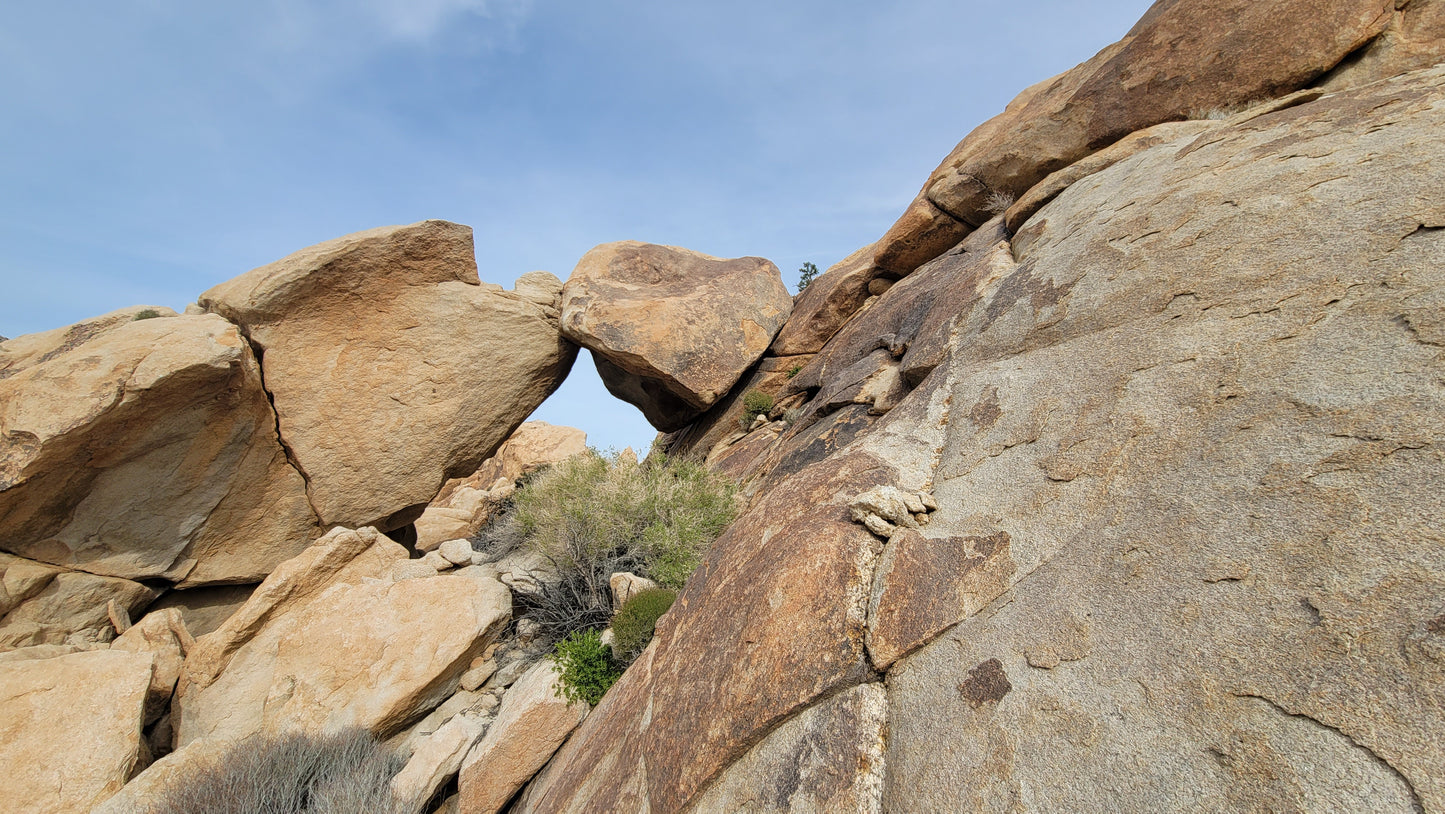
point(140, 444)
point(671, 330)
point(391, 366)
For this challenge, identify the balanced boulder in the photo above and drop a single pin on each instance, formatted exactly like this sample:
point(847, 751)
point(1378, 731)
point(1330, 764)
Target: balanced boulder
point(672, 330)
point(391, 366)
point(140, 444)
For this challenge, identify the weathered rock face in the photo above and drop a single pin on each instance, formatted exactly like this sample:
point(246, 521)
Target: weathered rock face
point(70, 729)
point(43, 604)
point(1184, 434)
point(672, 330)
point(303, 652)
point(1177, 62)
point(531, 724)
point(359, 339)
point(142, 447)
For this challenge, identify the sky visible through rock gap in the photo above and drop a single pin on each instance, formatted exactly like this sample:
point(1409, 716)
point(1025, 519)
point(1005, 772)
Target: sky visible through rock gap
point(155, 148)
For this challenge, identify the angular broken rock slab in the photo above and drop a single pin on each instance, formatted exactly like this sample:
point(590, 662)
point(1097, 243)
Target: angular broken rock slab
point(330, 641)
point(43, 604)
point(391, 366)
point(143, 447)
point(672, 330)
point(70, 729)
point(531, 724)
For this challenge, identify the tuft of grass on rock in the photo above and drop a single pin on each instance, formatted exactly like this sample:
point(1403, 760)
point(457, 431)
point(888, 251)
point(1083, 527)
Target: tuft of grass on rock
point(294, 773)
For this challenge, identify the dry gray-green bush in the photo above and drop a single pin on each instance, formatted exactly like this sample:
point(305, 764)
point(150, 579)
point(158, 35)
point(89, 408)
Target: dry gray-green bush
point(344, 773)
point(593, 515)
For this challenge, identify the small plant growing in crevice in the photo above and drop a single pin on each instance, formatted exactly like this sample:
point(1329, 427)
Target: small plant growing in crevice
point(794, 370)
point(806, 275)
point(584, 666)
point(146, 313)
point(636, 620)
point(998, 203)
point(755, 403)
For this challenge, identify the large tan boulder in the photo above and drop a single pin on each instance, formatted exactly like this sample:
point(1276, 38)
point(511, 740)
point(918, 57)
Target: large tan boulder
point(144, 447)
point(391, 366)
point(330, 641)
point(672, 330)
point(1183, 434)
point(1179, 61)
point(531, 724)
point(70, 729)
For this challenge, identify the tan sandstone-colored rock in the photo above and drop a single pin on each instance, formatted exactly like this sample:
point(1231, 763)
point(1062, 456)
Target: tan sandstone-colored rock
point(1184, 439)
point(142, 448)
point(1414, 39)
point(1212, 471)
point(43, 604)
point(532, 722)
point(672, 330)
point(360, 337)
point(435, 760)
point(625, 585)
point(164, 637)
point(70, 729)
point(331, 644)
point(1180, 60)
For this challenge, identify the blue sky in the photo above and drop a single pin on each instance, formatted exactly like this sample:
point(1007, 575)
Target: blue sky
point(153, 148)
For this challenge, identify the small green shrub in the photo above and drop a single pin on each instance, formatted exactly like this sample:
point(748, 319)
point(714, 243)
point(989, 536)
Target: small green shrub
point(593, 515)
point(148, 313)
point(806, 275)
point(755, 403)
point(585, 666)
point(289, 774)
point(794, 370)
point(636, 620)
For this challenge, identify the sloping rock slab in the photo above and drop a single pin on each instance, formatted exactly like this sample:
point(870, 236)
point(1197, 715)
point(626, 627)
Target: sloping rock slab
point(331, 642)
point(359, 339)
point(1178, 60)
point(1215, 449)
point(143, 447)
point(672, 330)
point(70, 729)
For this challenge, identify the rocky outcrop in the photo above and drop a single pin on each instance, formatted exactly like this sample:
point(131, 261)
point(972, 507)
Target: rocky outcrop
point(1178, 62)
point(70, 729)
point(303, 652)
point(141, 445)
point(1183, 433)
point(671, 330)
point(358, 339)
